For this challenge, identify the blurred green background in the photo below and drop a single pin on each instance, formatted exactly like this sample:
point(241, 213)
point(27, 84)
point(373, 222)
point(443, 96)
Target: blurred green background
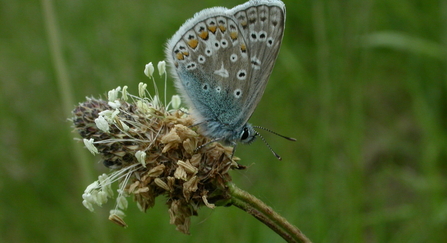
point(361, 85)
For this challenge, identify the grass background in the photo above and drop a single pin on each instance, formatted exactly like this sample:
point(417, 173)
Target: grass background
point(361, 85)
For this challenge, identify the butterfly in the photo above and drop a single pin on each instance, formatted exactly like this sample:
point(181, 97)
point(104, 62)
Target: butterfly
point(221, 60)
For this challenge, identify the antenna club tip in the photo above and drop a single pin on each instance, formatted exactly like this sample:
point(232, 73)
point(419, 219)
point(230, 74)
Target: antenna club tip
point(292, 139)
point(277, 155)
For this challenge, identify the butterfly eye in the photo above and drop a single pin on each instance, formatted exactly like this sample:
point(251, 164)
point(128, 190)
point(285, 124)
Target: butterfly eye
point(248, 135)
point(245, 134)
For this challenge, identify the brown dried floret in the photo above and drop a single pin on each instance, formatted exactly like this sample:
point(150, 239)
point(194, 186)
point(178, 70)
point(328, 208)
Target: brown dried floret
point(167, 141)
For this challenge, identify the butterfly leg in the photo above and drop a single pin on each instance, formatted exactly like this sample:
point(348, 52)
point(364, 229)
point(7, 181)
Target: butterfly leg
point(234, 149)
point(206, 144)
point(197, 124)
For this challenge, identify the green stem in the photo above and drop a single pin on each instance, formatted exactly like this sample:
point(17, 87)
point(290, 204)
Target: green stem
point(265, 214)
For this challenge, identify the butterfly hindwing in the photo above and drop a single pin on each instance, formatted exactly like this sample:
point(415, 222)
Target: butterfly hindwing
point(212, 64)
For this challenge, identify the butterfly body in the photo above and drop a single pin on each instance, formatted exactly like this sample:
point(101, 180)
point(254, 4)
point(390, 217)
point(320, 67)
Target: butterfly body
point(222, 59)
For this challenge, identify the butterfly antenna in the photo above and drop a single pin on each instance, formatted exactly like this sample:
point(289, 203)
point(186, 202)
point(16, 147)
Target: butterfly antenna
point(277, 134)
point(268, 145)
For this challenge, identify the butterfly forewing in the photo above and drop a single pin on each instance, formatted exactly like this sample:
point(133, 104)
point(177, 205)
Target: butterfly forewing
point(263, 25)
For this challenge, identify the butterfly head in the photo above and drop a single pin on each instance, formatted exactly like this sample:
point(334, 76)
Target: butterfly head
point(228, 134)
point(247, 134)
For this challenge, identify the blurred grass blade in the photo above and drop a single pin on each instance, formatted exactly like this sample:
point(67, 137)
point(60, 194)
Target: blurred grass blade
point(66, 95)
point(404, 42)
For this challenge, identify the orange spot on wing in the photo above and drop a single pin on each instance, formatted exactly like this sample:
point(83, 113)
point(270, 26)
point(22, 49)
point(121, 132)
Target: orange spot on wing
point(243, 48)
point(212, 28)
point(222, 28)
point(180, 56)
point(203, 35)
point(193, 43)
point(233, 35)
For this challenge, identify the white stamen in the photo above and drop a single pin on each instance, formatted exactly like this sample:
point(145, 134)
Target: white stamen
point(114, 104)
point(122, 203)
point(113, 94)
point(102, 124)
point(124, 93)
point(175, 102)
point(141, 157)
point(109, 115)
point(149, 70)
point(142, 89)
point(88, 205)
point(161, 67)
point(89, 145)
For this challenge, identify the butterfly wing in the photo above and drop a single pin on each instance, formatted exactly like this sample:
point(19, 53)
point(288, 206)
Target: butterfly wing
point(207, 54)
point(222, 60)
point(262, 23)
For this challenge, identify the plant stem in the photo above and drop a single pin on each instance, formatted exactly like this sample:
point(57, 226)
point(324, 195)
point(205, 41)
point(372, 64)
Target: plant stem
point(265, 214)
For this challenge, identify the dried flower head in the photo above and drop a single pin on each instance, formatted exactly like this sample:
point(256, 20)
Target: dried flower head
point(151, 151)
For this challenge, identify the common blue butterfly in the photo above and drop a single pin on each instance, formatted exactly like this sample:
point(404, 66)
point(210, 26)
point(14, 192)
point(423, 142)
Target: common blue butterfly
point(221, 60)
